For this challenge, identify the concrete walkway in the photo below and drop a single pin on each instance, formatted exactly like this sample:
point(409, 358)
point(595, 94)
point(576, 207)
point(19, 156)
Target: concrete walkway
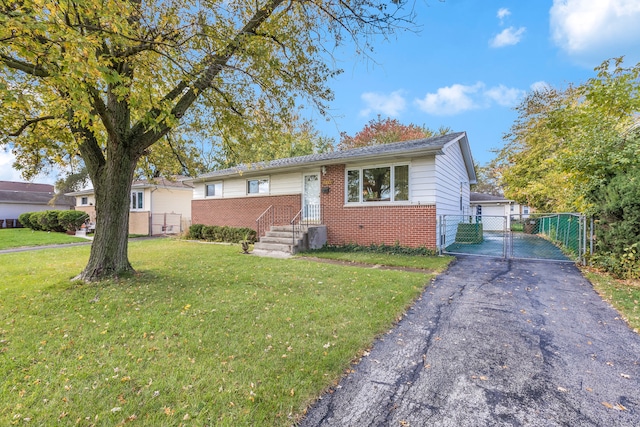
point(496, 343)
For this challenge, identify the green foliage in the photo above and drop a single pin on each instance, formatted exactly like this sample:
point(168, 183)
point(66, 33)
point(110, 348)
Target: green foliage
point(35, 220)
point(377, 249)
point(568, 143)
point(112, 81)
point(618, 210)
point(53, 220)
point(215, 233)
point(72, 220)
point(195, 232)
point(25, 219)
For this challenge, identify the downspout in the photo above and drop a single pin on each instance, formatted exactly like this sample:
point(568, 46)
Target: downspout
point(151, 210)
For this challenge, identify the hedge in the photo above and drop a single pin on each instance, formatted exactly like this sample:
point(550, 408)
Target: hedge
point(53, 220)
point(216, 233)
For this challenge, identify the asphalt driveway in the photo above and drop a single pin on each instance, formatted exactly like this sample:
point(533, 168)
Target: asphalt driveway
point(496, 343)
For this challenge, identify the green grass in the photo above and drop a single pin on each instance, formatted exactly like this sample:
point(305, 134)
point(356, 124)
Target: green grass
point(431, 263)
point(20, 237)
point(201, 335)
point(624, 296)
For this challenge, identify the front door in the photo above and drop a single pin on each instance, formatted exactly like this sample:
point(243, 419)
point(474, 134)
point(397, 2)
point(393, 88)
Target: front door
point(311, 198)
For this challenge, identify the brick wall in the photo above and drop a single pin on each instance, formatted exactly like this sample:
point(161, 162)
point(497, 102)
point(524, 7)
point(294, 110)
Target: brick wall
point(240, 212)
point(411, 226)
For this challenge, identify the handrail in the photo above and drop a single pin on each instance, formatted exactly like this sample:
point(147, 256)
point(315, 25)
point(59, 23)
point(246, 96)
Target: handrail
point(273, 215)
point(267, 216)
point(302, 220)
point(296, 225)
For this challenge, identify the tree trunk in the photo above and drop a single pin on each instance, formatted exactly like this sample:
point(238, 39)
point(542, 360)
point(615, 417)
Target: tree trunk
point(112, 187)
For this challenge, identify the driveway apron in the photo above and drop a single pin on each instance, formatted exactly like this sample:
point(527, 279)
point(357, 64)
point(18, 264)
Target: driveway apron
point(496, 343)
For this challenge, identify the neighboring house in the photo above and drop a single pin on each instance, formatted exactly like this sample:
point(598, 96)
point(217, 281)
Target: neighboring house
point(20, 197)
point(382, 194)
point(488, 205)
point(157, 206)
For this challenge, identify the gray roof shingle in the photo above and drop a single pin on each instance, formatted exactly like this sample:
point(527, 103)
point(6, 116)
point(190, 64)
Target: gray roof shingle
point(426, 145)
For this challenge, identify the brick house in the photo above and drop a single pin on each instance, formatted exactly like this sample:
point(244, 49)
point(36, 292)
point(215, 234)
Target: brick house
point(383, 194)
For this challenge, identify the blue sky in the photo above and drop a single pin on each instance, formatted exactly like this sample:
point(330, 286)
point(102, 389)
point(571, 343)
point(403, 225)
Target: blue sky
point(470, 63)
point(473, 61)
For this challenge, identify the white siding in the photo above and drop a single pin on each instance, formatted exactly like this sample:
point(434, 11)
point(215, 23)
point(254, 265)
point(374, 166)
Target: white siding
point(451, 176)
point(290, 183)
point(234, 187)
point(199, 190)
point(91, 200)
point(168, 200)
point(422, 181)
point(279, 184)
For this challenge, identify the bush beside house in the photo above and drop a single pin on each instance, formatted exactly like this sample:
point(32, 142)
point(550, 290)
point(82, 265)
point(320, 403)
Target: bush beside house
point(215, 233)
point(51, 220)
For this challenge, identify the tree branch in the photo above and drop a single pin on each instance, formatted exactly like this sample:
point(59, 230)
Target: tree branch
point(212, 68)
point(30, 122)
point(16, 64)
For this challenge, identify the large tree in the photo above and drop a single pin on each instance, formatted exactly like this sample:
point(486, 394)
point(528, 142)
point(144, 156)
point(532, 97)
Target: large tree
point(567, 144)
point(107, 79)
point(385, 131)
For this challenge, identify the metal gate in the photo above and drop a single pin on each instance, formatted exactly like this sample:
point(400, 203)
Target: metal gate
point(553, 237)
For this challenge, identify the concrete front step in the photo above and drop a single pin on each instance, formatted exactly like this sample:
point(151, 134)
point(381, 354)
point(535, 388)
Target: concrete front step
point(277, 247)
point(281, 240)
point(280, 234)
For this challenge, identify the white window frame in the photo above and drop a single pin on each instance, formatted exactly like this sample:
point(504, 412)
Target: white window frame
point(391, 200)
point(217, 189)
point(261, 189)
point(139, 195)
point(84, 200)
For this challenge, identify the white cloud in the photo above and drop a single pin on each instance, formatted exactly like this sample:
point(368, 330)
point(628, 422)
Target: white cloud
point(504, 96)
point(592, 31)
point(387, 104)
point(7, 172)
point(503, 13)
point(457, 98)
point(450, 100)
point(508, 37)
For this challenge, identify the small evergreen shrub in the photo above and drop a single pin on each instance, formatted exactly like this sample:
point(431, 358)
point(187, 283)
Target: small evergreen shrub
point(24, 219)
point(72, 220)
point(379, 249)
point(216, 233)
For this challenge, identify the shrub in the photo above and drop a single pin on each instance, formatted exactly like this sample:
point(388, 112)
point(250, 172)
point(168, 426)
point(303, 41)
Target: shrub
point(195, 231)
point(216, 233)
point(24, 219)
point(72, 220)
point(618, 210)
point(34, 220)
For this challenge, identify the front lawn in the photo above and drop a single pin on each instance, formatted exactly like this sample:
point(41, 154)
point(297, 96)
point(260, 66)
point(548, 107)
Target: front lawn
point(202, 335)
point(20, 237)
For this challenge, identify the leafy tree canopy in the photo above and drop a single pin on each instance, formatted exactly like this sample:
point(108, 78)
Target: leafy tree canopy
point(566, 144)
point(385, 131)
point(105, 80)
